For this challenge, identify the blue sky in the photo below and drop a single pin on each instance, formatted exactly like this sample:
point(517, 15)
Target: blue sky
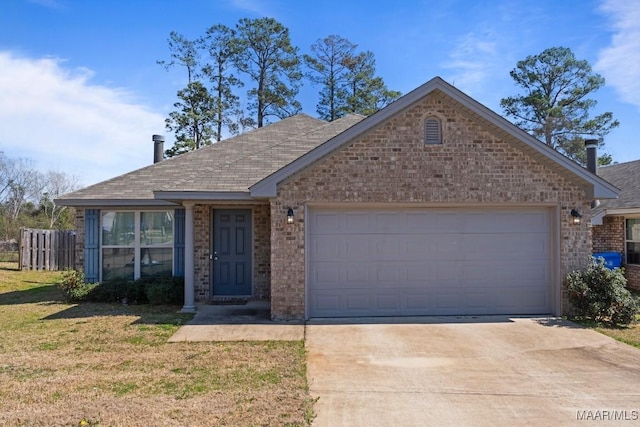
point(80, 90)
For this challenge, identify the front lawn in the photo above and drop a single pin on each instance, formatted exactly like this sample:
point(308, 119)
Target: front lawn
point(109, 364)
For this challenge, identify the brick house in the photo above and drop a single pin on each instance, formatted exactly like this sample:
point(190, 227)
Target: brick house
point(433, 205)
point(616, 222)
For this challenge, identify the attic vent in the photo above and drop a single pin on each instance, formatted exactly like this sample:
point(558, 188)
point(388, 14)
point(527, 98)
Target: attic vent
point(432, 133)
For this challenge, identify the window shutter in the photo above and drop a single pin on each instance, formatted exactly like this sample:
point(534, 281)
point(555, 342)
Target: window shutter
point(91, 245)
point(432, 134)
point(178, 243)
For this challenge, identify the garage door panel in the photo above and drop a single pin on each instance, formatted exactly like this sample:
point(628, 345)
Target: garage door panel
point(325, 275)
point(326, 248)
point(429, 262)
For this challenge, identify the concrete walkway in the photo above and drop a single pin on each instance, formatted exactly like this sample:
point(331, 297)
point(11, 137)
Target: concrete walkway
point(483, 371)
point(247, 322)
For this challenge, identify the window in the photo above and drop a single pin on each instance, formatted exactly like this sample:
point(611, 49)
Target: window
point(633, 241)
point(136, 244)
point(432, 131)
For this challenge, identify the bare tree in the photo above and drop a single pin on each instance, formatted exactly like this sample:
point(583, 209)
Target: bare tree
point(56, 184)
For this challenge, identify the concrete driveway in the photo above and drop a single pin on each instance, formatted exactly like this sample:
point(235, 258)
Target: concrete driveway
point(485, 371)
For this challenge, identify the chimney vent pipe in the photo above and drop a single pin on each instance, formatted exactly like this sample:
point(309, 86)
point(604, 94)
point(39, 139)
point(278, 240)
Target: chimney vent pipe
point(158, 148)
point(592, 155)
point(592, 161)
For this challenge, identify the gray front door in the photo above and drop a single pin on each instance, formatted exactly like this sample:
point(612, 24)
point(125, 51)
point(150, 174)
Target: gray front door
point(231, 255)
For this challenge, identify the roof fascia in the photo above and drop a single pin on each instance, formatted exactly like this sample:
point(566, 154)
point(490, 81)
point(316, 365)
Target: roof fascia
point(203, 195)
point(623, 211)
point(90, 203)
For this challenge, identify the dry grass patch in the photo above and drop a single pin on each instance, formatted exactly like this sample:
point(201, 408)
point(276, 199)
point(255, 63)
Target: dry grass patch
point(111, 365)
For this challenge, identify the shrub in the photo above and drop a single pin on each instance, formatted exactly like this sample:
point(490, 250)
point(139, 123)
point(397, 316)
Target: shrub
point(600, 294)
point(152, 290)
point(119, 290)
point(73, 286)
point(166, 290)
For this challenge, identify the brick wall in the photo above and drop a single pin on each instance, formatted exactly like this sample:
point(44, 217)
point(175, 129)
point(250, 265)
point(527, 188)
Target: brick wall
point(262, 252)
point(609, 237)
point(391, 164)
point(202, 246)
point(632, 273)
point(79, 239)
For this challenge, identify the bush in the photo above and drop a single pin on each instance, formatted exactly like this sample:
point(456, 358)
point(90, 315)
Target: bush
point(73, 287)
point(600, 294)
point(166, 290)
point(119, 290)
point(152, 290)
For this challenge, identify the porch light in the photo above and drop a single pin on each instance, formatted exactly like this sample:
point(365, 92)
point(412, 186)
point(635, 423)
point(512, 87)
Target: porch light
point(577, 218)
point(289, 216)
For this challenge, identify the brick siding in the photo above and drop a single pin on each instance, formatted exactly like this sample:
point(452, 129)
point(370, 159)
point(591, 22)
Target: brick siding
point(79, 239)
point(391, 164)
point(609, 237)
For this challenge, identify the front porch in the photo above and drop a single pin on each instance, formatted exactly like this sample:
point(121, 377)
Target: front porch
point(202, 234)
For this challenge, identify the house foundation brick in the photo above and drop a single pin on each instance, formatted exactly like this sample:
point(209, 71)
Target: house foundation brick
point(391, 164)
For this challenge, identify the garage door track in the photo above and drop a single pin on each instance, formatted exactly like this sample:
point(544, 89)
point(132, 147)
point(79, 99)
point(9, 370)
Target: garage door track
point(449, 371)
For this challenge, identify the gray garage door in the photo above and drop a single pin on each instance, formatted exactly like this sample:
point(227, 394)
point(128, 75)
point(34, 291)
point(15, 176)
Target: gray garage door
point(429, 262)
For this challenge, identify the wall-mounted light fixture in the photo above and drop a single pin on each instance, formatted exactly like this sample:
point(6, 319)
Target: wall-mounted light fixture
point(575, 215)
point(289, 216)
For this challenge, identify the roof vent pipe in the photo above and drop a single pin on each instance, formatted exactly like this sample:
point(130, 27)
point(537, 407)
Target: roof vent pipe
point(158, 148)
point(592, 161)
point(592, 156)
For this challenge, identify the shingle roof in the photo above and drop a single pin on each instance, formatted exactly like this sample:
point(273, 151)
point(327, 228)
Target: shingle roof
point(625, 176)
point(232, 165)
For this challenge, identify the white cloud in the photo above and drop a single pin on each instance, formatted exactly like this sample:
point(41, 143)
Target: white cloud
point(473, 60)
point(58, 118)
point(618, 63)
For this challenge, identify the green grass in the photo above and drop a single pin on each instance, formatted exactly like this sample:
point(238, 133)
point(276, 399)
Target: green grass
point(110, 364)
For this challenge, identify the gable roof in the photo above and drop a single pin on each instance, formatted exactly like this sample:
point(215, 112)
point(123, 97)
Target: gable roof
point(625, 176)
point(594, 186)
point(223, 171)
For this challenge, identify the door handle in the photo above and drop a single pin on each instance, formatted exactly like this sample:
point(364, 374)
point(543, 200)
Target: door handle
point(214, 256)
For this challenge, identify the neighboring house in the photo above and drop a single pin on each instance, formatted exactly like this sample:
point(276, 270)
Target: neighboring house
point(434, 205)
point(616, 223)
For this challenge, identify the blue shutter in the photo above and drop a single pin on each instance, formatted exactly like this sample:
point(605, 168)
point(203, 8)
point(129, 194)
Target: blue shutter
point(91, 245)
point(178, 243)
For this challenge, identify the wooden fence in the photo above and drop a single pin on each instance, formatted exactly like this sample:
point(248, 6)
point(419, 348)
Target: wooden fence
point(47, 249)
